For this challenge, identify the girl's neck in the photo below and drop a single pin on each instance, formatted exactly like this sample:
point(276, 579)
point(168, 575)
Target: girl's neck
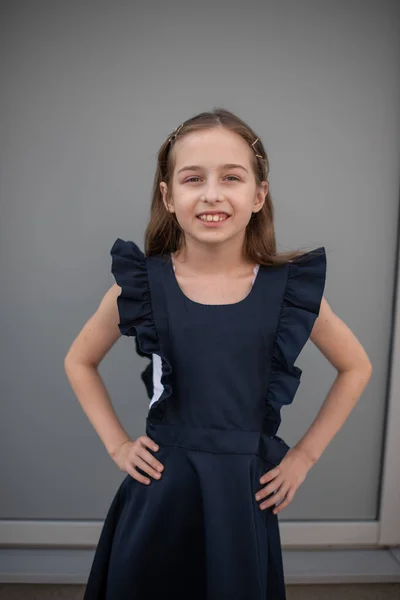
point(211, 263)
point(213, 271)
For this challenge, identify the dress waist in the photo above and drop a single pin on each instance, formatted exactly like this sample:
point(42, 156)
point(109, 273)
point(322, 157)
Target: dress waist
point(233, 441)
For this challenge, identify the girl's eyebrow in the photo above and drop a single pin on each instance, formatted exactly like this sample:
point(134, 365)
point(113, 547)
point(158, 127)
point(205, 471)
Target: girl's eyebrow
point(198, 168)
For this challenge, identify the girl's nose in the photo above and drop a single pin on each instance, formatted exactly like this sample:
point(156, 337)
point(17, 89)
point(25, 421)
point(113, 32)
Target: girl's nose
point(212, 191)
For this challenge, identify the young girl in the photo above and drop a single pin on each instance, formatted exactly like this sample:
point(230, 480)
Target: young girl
point(223, 317)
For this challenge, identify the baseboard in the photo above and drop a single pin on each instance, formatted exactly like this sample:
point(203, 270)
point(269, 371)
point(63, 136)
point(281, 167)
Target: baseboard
point(71, 566)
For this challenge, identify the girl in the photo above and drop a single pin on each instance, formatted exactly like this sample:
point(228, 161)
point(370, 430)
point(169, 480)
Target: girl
point(222, 317)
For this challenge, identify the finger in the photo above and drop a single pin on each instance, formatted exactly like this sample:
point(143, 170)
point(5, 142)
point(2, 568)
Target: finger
point(148, 442)
point(285, 502)
point(149, 458)
point(270, 474)
point(138, 476)
point(144, 466)
point(270, 488)
point(279, 495)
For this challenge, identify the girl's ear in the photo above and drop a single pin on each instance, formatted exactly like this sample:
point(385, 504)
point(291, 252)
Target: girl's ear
point(260, 196)
point(164, 193)
point(264, 188)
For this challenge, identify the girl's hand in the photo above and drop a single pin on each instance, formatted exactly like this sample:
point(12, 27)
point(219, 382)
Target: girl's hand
point(284, 479)
point(132, 454)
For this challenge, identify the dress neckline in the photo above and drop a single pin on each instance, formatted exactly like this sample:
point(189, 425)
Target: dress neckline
point(256, 271)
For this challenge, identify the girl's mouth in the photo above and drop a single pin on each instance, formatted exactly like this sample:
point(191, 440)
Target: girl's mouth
point(213, 220)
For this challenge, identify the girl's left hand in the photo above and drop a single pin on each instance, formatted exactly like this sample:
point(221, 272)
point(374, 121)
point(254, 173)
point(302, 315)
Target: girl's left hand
point(284, 479)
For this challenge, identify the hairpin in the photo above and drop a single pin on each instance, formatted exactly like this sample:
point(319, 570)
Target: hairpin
point(252, 145)
point(175, 133)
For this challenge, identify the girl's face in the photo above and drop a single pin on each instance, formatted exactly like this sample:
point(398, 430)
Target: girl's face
point(213, 174)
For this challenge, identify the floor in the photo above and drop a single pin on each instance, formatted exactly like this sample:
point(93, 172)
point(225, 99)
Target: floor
point(388, 591)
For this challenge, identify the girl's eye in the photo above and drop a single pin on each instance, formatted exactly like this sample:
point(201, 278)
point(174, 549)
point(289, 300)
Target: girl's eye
point(194, 177)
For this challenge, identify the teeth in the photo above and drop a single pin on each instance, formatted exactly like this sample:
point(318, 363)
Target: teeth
point(213, 217)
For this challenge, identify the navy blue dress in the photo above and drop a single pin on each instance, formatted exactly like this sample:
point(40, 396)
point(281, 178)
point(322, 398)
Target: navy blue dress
point(224, 372)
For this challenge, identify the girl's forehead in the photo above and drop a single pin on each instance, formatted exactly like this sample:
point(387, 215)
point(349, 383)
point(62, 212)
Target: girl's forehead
point(216, 134)
point(225, 145)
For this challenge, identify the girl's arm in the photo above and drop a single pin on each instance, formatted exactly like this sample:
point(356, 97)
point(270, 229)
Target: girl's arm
point(341, 347)
point(93, 342)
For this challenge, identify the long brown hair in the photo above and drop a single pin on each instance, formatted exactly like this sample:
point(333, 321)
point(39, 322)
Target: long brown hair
point(164, 235)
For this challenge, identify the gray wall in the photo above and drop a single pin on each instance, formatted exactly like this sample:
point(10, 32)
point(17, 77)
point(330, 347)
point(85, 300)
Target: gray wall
point(89, 92)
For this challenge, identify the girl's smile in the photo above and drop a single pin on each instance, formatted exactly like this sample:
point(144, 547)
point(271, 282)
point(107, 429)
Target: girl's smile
point(213, 219)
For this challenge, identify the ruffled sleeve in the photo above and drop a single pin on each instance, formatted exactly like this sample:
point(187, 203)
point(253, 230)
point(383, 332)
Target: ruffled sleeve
point(134, 302)
point(300, 308)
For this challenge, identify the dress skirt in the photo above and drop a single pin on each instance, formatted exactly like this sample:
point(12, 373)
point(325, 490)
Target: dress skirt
point(198, 531)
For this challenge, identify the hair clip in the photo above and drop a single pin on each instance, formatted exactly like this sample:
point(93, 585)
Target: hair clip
point(252, 145)
point(175, 133)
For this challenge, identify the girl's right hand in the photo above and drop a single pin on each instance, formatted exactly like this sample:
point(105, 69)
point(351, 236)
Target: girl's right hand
point(132, 454)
